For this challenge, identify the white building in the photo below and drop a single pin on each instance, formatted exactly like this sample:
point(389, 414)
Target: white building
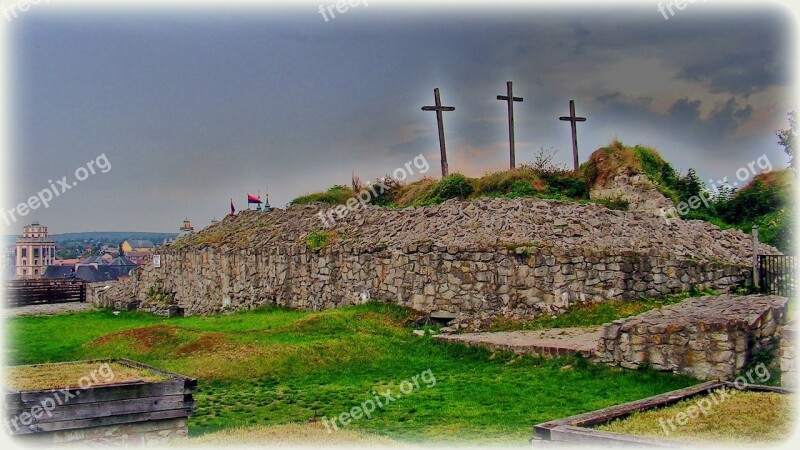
point(34, 251)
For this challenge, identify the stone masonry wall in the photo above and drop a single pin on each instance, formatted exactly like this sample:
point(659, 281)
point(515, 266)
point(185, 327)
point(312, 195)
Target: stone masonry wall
point(706, 337)
point(481, 259)
point(478, 284)
point(147, 433)
point(787, 355)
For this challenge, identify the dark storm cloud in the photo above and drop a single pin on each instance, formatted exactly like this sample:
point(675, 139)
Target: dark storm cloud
point(195, 109)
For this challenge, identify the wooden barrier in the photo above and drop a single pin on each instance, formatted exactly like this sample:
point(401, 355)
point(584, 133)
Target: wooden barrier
point(43, 291)
point(131, 404)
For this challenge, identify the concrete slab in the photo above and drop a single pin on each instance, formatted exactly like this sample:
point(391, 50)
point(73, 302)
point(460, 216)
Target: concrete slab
point(551, 342)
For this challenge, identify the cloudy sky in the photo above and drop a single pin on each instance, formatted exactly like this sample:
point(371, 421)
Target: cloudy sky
point(194, 106)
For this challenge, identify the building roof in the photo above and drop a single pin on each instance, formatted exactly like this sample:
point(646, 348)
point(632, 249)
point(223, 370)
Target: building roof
point(94, 260)
point(141, 243)
point(90, 274)
point(122, 261)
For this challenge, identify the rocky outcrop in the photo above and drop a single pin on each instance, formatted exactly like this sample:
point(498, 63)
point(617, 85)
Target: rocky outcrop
point(481, 259)
point(706, 337)
point(637, 190)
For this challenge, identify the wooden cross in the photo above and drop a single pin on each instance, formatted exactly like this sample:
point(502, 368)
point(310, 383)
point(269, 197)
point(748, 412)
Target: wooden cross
point(439, 108)
point(573, 122)
point(510, 99)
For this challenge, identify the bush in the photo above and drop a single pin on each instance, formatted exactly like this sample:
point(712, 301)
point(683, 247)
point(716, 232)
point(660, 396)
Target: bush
point(570, 185)
point(386, 195)
point(452, 186)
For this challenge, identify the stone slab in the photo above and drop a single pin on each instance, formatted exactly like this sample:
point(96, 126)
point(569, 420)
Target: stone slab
point(551, 342)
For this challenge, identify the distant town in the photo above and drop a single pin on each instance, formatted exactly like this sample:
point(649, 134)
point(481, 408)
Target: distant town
point(88, 256)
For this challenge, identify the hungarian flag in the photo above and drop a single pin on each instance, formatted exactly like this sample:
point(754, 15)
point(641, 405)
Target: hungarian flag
point(253, 199)
point(233, 210)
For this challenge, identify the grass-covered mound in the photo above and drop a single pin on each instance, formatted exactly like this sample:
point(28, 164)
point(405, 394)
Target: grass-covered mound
point(271, 366)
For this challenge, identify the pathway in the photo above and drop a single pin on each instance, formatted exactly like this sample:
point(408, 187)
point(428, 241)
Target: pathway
point(554, 341)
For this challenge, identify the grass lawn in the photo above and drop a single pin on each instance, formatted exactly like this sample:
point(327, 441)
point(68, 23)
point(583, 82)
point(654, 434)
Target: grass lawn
point(746, 418)
point(273, 367)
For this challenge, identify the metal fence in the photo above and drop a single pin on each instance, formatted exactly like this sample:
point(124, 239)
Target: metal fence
point(776, 274)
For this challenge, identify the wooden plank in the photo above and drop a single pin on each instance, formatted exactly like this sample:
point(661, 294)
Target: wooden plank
point(100, 421)
point(613, 412)
point(575, 429)
point(102, 409)
point(104, 393)
point(584, 436)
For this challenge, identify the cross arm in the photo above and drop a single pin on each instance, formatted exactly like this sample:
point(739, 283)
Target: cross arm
point(505, 97)
point(438, 108)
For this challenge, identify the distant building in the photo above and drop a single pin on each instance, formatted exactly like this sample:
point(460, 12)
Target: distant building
point(94, 268)
point(34, 251)
point(186, 229)
point(67, 262)
point(139, 257)
point(137, 245)
point(7, 270)
point(92, 274)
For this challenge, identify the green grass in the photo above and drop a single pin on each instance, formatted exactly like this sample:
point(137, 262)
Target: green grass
point(274, 366)
point(593, 314)
point(746, 418)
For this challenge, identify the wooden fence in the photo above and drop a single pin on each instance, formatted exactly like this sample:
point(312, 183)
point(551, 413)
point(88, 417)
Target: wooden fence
point(776, 274)
point(43, 291)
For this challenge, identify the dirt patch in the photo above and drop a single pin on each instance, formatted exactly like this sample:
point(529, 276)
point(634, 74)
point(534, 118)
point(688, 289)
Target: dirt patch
point(205, 343)
point(142, 339)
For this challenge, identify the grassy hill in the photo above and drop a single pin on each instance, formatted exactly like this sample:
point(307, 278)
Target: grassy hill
point(766, 201)
point(273, 367)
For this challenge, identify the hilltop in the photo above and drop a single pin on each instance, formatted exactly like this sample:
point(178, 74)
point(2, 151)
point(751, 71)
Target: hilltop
point(618, 177)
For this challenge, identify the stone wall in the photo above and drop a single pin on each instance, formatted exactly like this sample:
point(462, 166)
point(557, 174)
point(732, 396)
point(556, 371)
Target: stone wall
point(149, 433)
point(787, 355)
point(478, 284)
point(482, 259)
point(707, 337)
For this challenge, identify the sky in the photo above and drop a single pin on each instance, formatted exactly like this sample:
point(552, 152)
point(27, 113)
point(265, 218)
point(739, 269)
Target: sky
point(180, 109)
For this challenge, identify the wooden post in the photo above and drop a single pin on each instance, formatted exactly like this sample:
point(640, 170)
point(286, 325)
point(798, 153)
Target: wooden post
point(510, 99)
point(755, 257)
point(440, 122)
point(573, 124)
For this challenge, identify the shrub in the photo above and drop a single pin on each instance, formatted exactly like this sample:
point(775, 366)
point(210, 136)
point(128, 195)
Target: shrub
point(387, 194)
point(452, 186)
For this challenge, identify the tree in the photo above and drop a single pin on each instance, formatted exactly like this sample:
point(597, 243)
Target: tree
point(788, 137)
point(689, 186)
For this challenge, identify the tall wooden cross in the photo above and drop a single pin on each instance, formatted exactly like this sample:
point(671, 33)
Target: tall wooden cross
point(573, 122)
point(510, 99)
point(439, 108)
